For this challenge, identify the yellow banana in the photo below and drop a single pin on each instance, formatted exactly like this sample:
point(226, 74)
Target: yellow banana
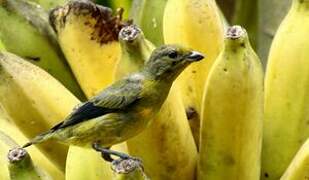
point(7, 127)
point(299, 167)
point(231, 130)
point(196, 24)
point(88, 36)
point(286, 92)
point(25, 31)
point(35, 101)
point(159, 145)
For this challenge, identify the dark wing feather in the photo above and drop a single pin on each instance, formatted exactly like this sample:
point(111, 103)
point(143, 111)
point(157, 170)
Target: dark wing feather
point(114, 98)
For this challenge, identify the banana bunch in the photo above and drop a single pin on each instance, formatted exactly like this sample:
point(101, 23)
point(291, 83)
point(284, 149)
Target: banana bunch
point(54, 54)
point(286, 92)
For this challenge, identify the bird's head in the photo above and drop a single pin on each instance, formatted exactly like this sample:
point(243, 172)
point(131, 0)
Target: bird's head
point(168, 61)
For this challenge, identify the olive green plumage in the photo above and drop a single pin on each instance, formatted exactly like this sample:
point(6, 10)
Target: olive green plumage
point(125, 108)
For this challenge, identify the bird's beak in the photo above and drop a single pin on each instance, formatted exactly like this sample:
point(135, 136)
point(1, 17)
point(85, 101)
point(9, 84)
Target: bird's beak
point(195, 56)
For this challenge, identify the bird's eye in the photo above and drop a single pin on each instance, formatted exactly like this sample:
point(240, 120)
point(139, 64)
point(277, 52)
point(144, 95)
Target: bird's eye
point(172, 54)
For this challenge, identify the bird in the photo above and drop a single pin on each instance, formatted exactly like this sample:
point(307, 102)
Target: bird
point(125, 108)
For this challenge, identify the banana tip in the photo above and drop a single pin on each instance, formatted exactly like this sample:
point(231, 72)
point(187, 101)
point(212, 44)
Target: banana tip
point(16, 154)
point(235, 32)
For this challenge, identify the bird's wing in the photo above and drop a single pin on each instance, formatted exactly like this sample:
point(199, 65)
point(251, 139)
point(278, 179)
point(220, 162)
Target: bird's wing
point(114, 98)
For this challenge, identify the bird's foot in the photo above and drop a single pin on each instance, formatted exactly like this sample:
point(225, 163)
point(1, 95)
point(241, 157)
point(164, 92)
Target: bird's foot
point(106, 154)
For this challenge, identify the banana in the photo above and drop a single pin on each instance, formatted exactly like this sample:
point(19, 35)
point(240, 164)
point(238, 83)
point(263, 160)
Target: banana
point(26, 32)
point(286, 92)
point(21, 166)
point(148, 15)
point(39, 159)
point(196, 24)
point(128, 169)
point(35, 101)
point(172, 153)
point(16, 163)
point(88, 36)
point(231, 130)
point(299, 167)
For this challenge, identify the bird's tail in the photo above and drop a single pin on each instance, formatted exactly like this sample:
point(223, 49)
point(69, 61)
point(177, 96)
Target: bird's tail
point(39, 138)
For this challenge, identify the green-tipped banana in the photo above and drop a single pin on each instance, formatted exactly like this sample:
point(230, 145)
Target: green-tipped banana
point(286, 125)
point(231, 130)
point(196, 24)
point(128, 169)
point(299, 167)
point(148, 14)
point(26, 32)
point(15, 163)
point(21, 166)
point(170, 127)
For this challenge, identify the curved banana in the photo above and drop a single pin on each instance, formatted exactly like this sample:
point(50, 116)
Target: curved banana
point(148, 15)
point(39, 159)
point(286, 92)
point(172, 153)
point(25, 31)
point(299, 167)
point(35, 101)
point(231, 130)
point(88, 36)
point(196, 24)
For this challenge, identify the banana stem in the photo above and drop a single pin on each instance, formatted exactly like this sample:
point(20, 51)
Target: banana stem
point(128, 169)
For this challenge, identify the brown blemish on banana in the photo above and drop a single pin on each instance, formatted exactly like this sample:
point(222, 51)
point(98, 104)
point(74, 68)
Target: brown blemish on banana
point(106, 25)
point(191, 113)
